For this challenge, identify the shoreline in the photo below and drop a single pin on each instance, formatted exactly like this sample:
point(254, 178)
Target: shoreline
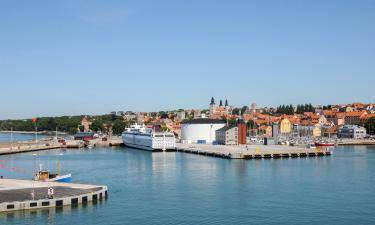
point(33, 132)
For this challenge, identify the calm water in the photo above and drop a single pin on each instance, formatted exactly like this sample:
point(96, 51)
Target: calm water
point(178, 188)
point(7, 137)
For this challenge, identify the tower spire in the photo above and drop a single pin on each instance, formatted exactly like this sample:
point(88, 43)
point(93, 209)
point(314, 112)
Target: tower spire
point(212, 101)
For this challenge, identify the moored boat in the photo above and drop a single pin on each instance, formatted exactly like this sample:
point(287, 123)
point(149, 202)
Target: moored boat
point(324, 144)
point(47, 176)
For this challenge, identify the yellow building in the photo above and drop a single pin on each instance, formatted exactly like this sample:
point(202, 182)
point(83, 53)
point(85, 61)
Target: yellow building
point(317, 131)
point(285, 126)
point(269, 131)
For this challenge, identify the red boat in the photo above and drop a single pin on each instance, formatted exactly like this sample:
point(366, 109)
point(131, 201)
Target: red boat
point(324, 144)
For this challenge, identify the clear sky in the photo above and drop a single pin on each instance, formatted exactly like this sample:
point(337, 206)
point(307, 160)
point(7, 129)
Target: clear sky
point(92, 57)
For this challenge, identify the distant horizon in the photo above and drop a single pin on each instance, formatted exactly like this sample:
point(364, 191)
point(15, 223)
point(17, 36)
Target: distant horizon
point(175, 109)
point(77, 58)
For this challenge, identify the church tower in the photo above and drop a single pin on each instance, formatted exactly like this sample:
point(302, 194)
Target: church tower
point(212, 106)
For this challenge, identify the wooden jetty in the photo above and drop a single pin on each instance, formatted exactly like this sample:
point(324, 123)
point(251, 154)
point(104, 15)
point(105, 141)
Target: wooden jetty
point(251, 151)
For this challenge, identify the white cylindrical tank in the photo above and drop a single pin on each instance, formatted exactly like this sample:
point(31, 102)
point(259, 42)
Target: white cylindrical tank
point(203, 129)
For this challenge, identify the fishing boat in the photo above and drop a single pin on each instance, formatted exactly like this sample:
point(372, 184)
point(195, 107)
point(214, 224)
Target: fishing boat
point(47, 176)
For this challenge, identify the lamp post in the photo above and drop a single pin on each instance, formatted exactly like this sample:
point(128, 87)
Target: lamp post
point(34, 177)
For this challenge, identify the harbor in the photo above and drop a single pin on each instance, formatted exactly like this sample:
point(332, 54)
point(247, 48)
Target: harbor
point(139, 181)
point(18, 194)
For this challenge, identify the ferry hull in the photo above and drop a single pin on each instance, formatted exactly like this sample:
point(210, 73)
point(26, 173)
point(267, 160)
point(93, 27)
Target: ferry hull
point(146, 148)
point(149, 143)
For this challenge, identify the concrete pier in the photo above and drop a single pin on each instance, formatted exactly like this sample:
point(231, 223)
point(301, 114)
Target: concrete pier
point(16, 194)
point(20, 147)
point(251, 151)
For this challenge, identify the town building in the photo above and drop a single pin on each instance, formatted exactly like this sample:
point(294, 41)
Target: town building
point(351, 131)
point(84, 136)
point(354, 118)
point(202, 130)
point(197, 114)
point(285, 126)
point(181, 115)
point(317, 131)
point(86, 124)
point(227, 135)
point(219, 111)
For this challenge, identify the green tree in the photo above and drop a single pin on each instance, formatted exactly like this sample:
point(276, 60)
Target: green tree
point(370, 125)
point(232, 122)
point(236, 111)
point(118, 127)
point(72, 130)
point(97, 125)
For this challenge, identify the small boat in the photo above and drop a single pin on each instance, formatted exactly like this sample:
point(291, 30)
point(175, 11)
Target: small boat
point(324, 144)
point(47, 176)
point(311, 146)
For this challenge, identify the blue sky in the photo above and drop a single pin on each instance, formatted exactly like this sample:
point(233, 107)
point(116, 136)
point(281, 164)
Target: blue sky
point(92, 57)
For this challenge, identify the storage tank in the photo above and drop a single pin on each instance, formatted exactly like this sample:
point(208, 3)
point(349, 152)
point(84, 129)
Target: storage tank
point(202, 130)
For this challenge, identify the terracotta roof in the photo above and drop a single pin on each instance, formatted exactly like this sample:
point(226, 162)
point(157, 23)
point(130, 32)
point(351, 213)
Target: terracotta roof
point(355, 114)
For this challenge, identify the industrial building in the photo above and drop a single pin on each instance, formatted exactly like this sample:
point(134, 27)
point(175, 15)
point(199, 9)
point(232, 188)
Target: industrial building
point(351, 131)
point(227, 136)
point(201, 130)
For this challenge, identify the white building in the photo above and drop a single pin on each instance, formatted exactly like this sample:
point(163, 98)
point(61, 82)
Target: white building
point(227, 135)
point(200, 130)
point(351, 131)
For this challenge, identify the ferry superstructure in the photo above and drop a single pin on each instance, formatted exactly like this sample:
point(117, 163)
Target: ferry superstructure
point(145, 138)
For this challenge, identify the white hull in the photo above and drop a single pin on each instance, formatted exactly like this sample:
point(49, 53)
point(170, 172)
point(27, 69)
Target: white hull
point(150, 142)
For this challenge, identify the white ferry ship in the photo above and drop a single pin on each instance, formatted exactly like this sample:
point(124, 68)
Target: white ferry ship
point(145, 138)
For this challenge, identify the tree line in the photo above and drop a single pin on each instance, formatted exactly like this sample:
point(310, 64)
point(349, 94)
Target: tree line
point(300, 109)
point(68, 124)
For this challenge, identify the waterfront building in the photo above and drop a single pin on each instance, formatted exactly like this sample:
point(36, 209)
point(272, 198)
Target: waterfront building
point(227, 135)
point(285, 126)
point(351, 131)
point(317, 131)
point(86, 124)
point(84, 136)
point(200, 130)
